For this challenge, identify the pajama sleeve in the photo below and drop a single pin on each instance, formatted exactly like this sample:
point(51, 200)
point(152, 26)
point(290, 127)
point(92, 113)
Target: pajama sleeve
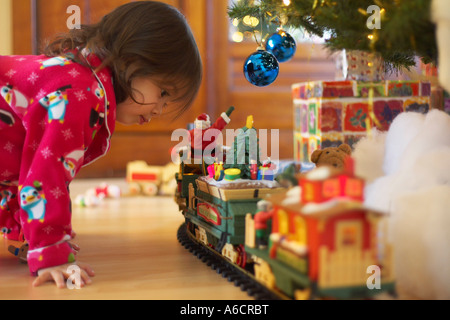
point(54, 152)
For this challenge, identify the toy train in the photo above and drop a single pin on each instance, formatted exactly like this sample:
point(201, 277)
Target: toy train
point(150, 180)
point(313, 240)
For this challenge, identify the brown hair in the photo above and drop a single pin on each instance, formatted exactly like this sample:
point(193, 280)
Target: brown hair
point(141, 38)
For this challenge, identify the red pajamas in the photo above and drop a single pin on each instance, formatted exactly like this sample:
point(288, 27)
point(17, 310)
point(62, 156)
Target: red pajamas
point(55, 117)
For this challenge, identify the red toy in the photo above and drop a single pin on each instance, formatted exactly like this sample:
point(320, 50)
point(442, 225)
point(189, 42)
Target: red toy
point(202, 138)
point(326, 183)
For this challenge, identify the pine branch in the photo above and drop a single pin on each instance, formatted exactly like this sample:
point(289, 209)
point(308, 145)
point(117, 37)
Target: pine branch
point(406, 28)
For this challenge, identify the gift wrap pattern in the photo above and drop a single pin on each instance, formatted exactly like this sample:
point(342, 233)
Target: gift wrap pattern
point(329, 113)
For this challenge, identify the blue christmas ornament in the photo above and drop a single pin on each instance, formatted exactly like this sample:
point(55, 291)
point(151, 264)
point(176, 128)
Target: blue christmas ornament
point(281, 45)
point(261, 68)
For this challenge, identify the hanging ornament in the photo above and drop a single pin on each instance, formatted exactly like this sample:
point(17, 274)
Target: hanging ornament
point(261, 68)
point(281, 45)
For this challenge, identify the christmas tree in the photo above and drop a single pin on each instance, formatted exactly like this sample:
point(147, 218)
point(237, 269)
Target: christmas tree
point(245, 150)
point(404, 29)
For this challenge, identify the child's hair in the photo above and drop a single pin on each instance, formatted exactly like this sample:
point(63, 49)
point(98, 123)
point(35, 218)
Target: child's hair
point(141, 38)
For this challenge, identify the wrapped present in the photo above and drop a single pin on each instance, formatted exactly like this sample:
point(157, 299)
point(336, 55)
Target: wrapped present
point(447, 102)
point(265, 173)
point(440, 99)
point(329, 113)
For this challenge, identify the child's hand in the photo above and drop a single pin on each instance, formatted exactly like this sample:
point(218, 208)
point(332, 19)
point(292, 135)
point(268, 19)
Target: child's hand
point(59, 274)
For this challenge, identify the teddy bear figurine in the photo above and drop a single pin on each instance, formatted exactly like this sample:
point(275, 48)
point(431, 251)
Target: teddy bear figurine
point(20, 252)
point(331, 156)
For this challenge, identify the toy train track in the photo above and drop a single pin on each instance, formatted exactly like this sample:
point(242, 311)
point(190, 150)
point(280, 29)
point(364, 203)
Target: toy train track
point(233, 273)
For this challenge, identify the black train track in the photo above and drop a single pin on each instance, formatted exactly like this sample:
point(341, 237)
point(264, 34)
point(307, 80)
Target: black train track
point(240, 277)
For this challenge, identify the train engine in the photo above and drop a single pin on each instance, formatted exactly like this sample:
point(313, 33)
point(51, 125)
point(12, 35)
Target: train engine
point(215, 199)
point(217, 212)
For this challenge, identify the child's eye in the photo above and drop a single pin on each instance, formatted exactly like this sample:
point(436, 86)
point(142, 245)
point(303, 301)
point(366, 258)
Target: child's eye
point(164, 93)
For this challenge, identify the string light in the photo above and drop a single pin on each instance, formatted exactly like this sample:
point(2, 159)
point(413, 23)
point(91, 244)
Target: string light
point(238, 36)
point(250, 21)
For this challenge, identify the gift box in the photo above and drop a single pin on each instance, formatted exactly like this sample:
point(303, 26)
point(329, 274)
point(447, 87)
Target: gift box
point(329, 113)
point(447, 102)
point(440, 99)
point(265, 174)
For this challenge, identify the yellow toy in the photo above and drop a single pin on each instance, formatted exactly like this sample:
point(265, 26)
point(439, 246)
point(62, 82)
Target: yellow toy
point(218, 167)
point(151, 180)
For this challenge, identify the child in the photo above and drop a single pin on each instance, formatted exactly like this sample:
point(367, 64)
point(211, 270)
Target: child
point(58, 112)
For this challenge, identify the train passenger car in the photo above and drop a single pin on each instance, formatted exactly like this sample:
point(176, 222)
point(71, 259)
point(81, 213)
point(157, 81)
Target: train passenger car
point(143, 178)
point(323, 242)
point(216, 210)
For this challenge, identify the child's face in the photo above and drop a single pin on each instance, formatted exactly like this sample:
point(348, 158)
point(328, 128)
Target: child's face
point(152, 101)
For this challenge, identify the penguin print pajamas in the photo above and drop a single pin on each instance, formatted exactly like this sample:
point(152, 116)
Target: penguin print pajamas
point(55, 103)
point(56, 116)
point(33, 202)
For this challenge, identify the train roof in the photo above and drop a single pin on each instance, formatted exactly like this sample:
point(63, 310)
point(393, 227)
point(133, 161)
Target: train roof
point(323, 173)
point(240, 189)
point(290, 200)
point(241, 183)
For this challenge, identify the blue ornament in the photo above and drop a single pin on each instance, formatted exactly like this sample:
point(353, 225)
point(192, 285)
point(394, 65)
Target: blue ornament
point(261, 68)
point(281, 45)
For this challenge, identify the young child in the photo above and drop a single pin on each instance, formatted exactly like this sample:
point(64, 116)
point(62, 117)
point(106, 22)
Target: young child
point(58, 112)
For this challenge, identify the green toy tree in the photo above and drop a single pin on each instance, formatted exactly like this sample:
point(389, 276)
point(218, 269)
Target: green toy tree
point(244, 150)
point(405, 27)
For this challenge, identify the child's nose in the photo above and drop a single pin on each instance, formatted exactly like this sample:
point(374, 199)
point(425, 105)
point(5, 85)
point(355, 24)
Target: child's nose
point(157, 111)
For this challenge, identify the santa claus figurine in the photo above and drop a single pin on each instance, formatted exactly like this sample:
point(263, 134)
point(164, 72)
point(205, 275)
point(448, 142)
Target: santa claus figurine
point(204, 135)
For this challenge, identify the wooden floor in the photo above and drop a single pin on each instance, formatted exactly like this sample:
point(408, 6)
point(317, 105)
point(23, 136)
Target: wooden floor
point(131, 243)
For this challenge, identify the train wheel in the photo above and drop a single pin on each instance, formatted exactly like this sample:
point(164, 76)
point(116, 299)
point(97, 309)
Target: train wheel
point(264, 274)
point(229, 252)
point(191, 227)
point(242, 256)
point(200, 235)
point(150, 189)
point(134, 188)
point(304, 294)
